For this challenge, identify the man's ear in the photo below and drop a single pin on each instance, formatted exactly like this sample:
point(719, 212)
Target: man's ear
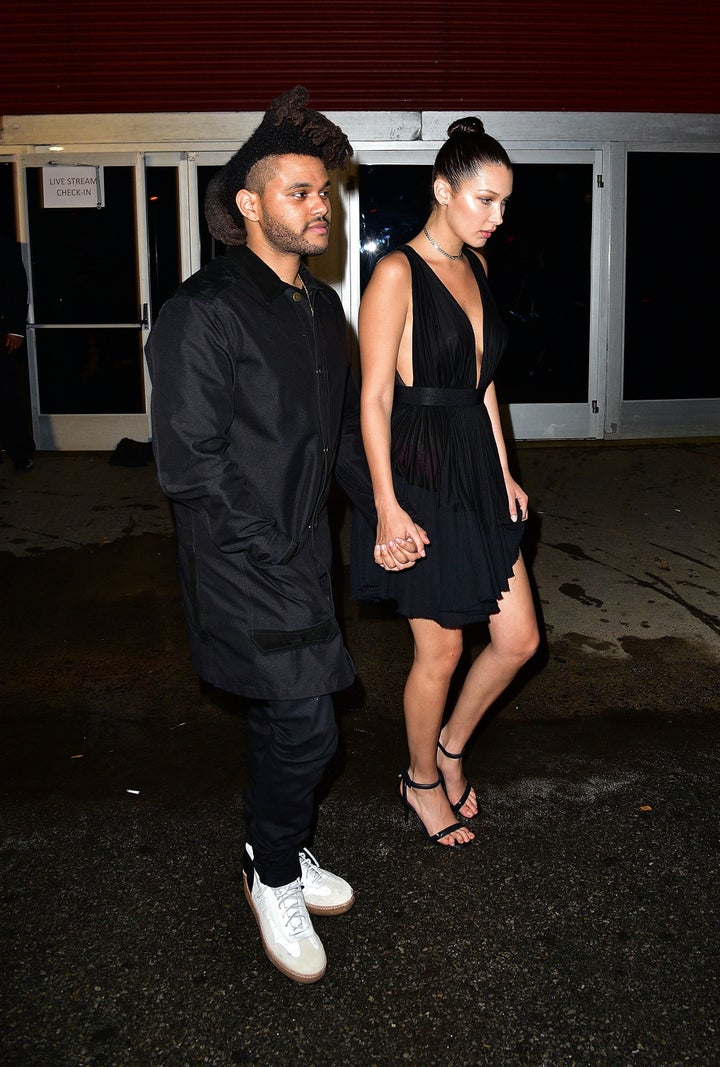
point(247, 204)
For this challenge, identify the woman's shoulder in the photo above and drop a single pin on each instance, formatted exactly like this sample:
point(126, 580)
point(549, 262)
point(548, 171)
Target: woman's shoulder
point(398, 258)
point(478, 256)
point(392, 269)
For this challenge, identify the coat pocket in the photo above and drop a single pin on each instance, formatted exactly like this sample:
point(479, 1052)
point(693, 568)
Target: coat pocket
point(283, 640)
point(290, 604)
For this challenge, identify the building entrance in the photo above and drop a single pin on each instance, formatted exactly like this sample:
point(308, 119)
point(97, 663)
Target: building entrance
point(611, 335)
point(88, 271)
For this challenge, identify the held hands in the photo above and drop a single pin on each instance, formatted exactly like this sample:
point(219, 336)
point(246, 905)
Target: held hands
point(400, 541)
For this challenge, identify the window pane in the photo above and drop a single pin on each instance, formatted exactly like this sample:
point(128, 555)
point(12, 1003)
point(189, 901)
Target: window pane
point(209, 247)
point(84, 264)
point(163, 234)
point(539, 263)
point(85, 372)
point(395, 202)
point(672, 276)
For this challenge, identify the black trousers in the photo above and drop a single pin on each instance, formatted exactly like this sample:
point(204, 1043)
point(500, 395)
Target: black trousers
point(290, 743)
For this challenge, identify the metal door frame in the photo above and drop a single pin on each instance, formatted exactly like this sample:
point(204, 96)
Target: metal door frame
point(643, 419)
point(99, 431)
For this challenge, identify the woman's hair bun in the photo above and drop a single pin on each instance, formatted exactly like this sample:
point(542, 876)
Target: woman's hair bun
point(467, 149)
point(470, 124)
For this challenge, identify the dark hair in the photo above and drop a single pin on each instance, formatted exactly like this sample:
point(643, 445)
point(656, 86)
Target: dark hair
point(288, 127)
point(467, 148)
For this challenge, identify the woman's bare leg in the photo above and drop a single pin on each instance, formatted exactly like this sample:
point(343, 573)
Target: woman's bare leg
point(513, 640)
point(436, 654)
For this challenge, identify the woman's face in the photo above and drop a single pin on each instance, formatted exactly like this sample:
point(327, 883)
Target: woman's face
point(477, 208)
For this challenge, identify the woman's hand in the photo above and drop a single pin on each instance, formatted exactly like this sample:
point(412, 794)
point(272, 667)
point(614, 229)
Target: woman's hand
point(400, 541)
point(517, 500)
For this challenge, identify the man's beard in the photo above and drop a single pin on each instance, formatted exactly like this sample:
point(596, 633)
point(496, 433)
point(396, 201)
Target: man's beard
point(284, 240)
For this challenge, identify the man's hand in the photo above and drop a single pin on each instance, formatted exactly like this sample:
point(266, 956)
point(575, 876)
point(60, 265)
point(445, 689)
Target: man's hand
point(399, 553)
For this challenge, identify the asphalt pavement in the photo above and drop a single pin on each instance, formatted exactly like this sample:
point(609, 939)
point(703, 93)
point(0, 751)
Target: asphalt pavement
point(579, 929)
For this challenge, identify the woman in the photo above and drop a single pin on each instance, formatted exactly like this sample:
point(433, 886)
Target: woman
point(430, 342)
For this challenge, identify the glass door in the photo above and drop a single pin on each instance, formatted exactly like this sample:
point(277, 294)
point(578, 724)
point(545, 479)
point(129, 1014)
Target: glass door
point(671, 370)
point(90, 297)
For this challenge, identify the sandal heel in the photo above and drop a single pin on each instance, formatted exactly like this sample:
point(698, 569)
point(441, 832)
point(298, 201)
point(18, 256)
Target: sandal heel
point(466, 791)
point(407, 783)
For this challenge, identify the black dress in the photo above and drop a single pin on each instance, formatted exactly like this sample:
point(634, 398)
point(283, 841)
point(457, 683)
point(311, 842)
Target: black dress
point(446, 468)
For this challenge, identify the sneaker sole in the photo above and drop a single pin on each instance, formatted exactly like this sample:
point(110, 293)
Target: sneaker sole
point(331, 909)
point(304, 979)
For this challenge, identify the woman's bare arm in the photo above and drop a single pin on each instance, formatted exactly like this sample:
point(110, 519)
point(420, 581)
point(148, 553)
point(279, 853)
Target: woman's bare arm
point(383, 321)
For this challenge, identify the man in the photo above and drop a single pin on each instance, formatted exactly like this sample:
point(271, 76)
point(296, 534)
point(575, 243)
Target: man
point(253, 408)
point(15, 418)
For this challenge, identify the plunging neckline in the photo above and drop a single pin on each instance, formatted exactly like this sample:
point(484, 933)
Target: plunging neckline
point(478, 368)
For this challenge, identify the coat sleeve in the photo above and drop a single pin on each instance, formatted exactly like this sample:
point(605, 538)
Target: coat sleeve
point(192, 369)
point(351, 470)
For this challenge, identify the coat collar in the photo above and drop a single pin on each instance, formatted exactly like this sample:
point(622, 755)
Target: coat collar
point(264, 278)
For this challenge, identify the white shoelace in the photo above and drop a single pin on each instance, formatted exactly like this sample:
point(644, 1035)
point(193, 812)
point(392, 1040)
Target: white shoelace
point(311, 868)
point(292, 906)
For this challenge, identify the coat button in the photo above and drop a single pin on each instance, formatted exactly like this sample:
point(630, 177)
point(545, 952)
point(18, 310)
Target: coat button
point(297, 296)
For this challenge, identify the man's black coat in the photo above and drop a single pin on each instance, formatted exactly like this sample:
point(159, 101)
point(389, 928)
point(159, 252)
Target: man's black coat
point(253, 408)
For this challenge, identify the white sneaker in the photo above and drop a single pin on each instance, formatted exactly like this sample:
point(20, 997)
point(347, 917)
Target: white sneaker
point(325, 893)
point(287, 933)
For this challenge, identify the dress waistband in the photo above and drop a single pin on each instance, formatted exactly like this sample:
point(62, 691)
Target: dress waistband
point(427, 397)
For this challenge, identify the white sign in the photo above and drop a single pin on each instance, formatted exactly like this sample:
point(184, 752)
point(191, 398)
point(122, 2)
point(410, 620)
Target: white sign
point(78, 186)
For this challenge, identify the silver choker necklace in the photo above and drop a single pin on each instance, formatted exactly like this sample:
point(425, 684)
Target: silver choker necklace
point(437, 246)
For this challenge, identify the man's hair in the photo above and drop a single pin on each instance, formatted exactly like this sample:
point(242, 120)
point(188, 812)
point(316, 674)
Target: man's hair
point(288, 128)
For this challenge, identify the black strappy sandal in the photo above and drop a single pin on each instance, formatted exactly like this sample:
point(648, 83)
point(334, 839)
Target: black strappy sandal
point(407, 783)
point(466, 792)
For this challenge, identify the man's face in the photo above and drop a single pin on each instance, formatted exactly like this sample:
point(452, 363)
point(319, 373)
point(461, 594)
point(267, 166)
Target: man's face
point(293, 210)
